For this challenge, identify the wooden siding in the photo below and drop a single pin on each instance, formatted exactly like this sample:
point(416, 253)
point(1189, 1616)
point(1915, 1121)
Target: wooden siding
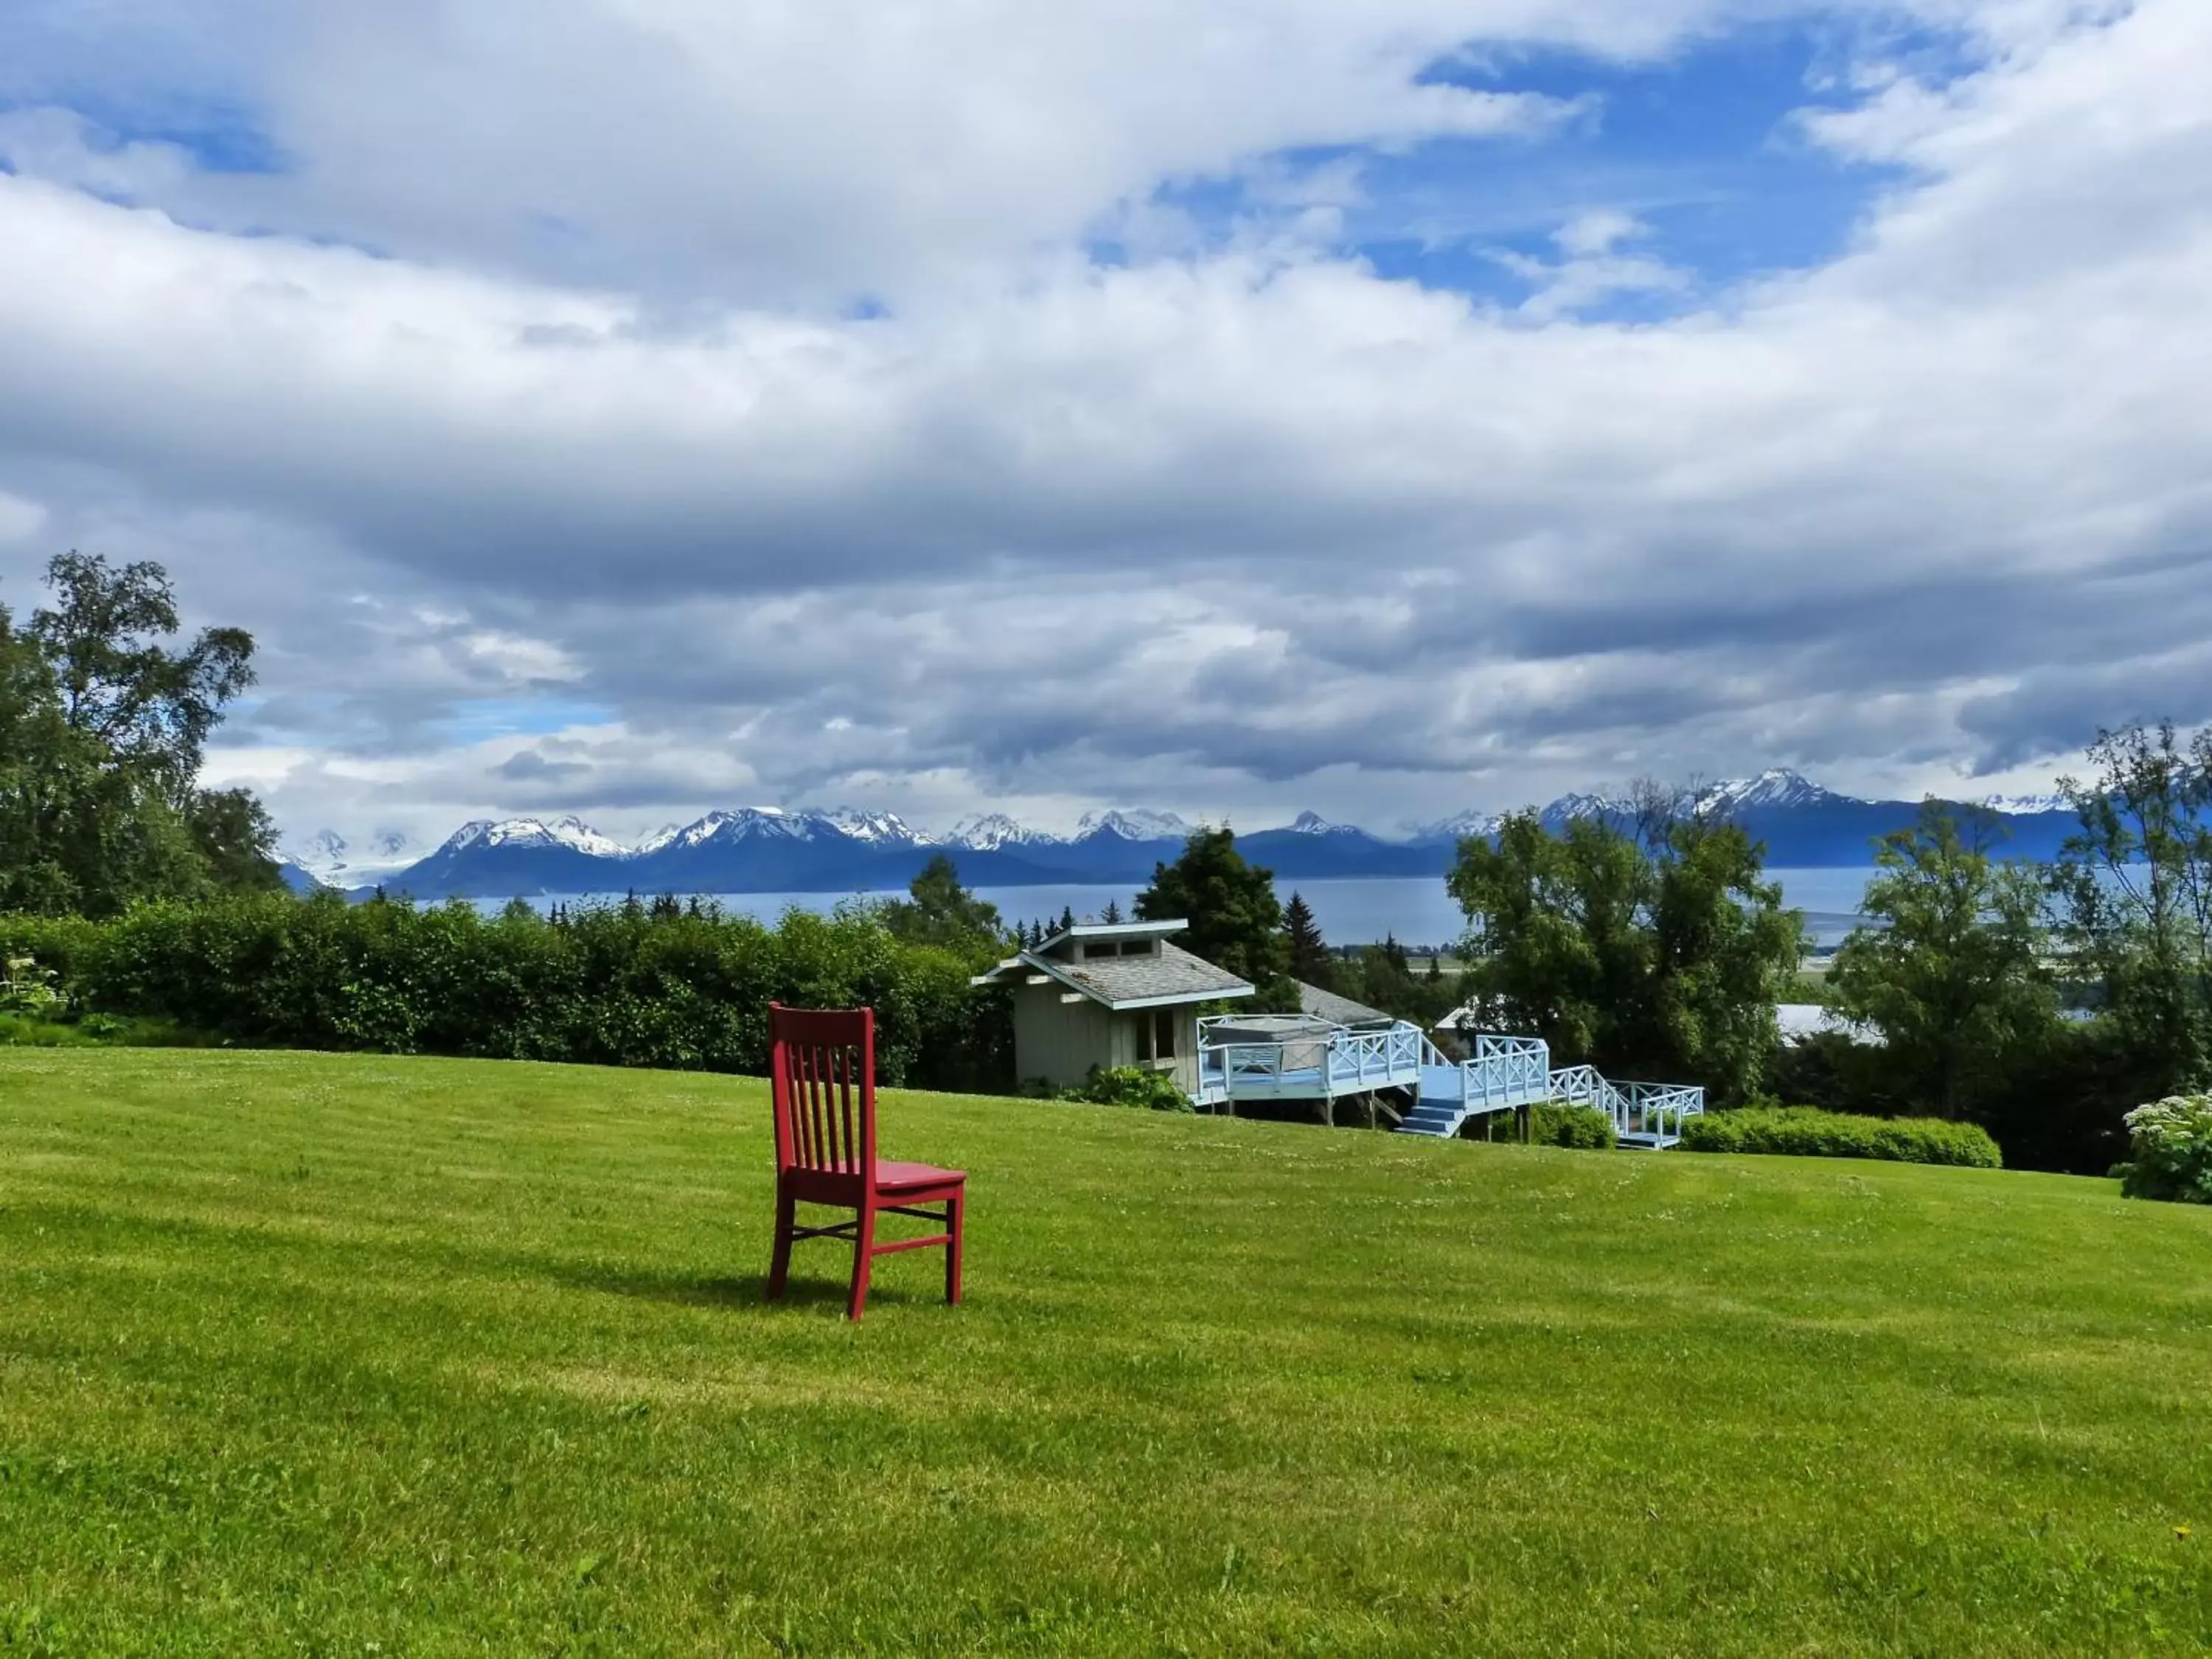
point(1060, 1041)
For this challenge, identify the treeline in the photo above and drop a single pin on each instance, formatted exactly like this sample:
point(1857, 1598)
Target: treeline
point(2040, 1002)
point(2045, 1002)
point(1655, 953)
point(659, 985)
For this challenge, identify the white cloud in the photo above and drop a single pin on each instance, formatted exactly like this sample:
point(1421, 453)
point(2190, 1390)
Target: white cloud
point(19, 519)
point(1598, 232)
point(1593, 269)
point(782, 151)
point(1233, 527)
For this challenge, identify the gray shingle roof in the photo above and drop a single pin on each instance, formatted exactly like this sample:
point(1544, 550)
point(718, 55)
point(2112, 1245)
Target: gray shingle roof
point(1338, 1010)
point(1173, 976)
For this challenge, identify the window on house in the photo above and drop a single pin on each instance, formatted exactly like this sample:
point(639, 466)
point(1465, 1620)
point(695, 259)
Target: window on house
point(1163, 1033)
point(1136, 947)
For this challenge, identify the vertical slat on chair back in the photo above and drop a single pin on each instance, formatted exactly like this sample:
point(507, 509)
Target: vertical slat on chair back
point(822, 1073)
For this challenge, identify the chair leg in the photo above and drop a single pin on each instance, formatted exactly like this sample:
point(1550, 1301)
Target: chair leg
point(955, 1211)
point(779, 1268)
point(864, 1250)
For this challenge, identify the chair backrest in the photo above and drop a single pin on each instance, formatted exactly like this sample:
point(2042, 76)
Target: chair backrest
point(822, 1070)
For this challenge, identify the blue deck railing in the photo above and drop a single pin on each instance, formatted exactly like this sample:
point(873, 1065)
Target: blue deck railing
point(1501, 1074)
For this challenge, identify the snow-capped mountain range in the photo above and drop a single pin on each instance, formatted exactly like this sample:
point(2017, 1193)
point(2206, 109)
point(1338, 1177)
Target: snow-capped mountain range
point(571, 833)
point(329, 858)
point(772, 849)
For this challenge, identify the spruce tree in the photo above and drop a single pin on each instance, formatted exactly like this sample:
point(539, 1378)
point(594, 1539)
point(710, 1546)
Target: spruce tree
point(1310, 957)
point(1235, 920)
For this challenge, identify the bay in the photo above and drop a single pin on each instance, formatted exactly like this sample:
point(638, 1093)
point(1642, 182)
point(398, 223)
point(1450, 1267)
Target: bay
point(1416, 911)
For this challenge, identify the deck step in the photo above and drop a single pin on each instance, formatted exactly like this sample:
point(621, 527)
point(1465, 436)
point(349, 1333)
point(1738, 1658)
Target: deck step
point(1435, 1119)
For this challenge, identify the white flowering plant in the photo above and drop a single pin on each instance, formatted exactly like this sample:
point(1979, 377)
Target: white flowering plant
point(29, 989)
point(2172, 1140)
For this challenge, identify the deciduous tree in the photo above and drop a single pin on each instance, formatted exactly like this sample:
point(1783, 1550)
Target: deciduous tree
point(2135, 887)
point(103, 724)
point(1951, 973)
point(1657, 952)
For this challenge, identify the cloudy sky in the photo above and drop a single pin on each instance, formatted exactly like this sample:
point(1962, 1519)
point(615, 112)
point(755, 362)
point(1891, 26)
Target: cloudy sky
point(629, 407)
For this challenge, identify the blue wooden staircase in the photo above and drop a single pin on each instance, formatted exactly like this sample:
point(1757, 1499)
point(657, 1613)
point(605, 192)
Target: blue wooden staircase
point(1503, 1074)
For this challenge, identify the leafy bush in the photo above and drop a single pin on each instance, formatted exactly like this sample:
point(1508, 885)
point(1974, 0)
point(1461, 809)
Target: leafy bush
point(1134, 1086)
point(1583, 1128)
point(1807, 1132)
point(616, 987)
point(2172, 1142)
point(29, 990)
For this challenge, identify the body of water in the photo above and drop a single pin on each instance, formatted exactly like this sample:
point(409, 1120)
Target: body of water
point(1414, 910)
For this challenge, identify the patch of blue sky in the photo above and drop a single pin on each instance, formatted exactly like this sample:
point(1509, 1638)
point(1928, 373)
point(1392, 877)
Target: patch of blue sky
point(222, 139)
point(216, 135)
point(1703, 148)
point(483, 719)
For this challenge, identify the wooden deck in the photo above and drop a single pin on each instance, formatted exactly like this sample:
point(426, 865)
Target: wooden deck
point(1505, 1073)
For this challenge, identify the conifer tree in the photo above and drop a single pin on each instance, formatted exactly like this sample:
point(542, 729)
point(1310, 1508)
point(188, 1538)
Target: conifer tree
point(1309, 957)
point(1235, 920)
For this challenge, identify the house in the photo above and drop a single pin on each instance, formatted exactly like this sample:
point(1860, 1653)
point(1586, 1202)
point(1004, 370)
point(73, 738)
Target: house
point(1110, 993)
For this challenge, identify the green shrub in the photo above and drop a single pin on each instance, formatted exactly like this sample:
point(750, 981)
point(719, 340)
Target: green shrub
point(21, 1030)
point(619, 986)
point(2173, 1143)
point(1584, 1128)
point(1806, 1132)
point(1133, 1085)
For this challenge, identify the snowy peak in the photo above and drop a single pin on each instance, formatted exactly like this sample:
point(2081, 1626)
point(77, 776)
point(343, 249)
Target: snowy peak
point(467, 835)
point(1312, 823)
point(569, 832)
point(773, 824)
point(329, 855)
point(1458, 827)
point(887, 829)
point(1132, 825)
point(2025, 805)
point(986, 832)
point(728, 828)
point(1570, 807)
point(323, 853)
point(1777, 787)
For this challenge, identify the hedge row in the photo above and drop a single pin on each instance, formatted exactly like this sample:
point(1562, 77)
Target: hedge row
point(1805, 1132)
point(618, 987)
point(1583, 1128)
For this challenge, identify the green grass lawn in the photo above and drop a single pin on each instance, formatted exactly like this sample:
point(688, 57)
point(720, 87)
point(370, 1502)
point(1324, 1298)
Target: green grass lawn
point(331, 1355)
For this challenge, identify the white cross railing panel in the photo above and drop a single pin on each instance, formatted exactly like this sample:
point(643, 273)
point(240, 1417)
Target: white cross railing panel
point(1360, 1061)
point(1502, 1073)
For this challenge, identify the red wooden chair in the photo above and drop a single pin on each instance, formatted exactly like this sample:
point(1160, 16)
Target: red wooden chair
point(822, 1072)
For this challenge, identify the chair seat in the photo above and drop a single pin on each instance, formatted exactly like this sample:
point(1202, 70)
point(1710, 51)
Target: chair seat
point(893, 1175)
